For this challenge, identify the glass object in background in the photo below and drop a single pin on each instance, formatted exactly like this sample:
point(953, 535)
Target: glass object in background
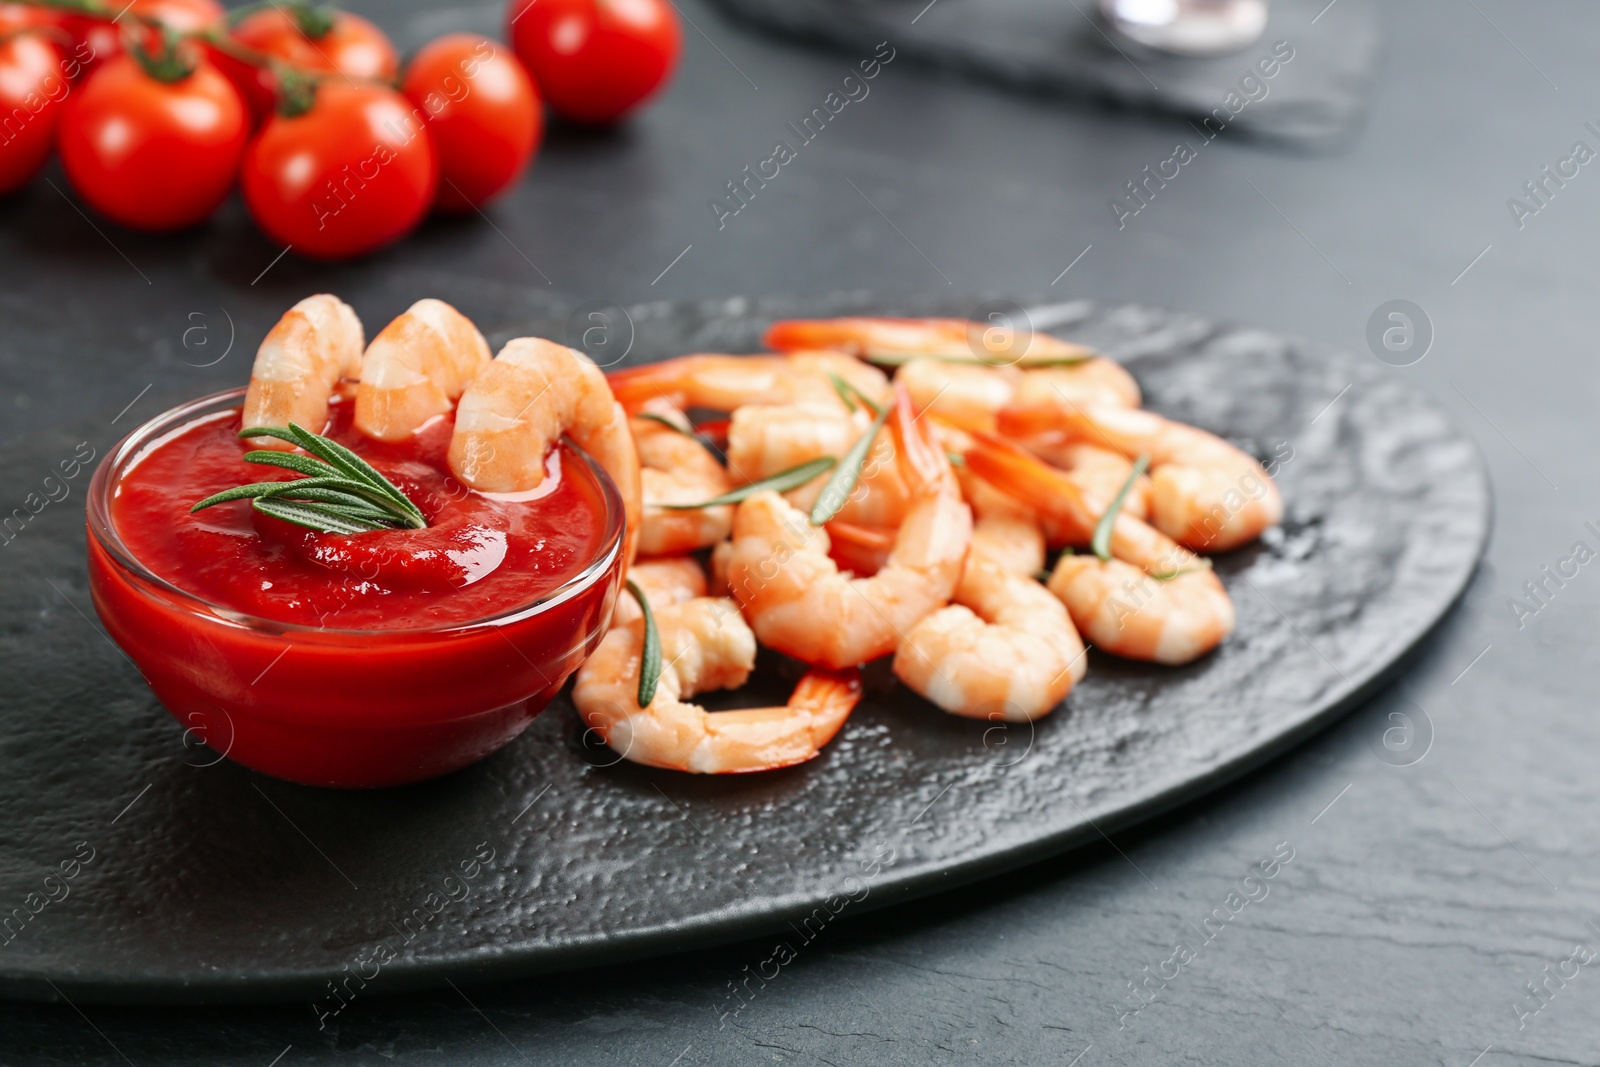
point(1189, 27)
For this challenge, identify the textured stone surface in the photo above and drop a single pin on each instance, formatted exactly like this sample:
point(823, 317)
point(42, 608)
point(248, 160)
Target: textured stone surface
point(221, 884)
point(1050, 48)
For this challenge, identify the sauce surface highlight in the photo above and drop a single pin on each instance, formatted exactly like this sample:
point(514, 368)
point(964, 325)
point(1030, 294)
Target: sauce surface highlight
point(480, 556)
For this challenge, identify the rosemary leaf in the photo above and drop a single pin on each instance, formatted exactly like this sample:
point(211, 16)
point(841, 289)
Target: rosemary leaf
point(311, 468)
point(1101, 543)
point(687, 430)
point(339, 493)
point(842, 482)
point(782, 482)
point(650, 655)
point(314, 516)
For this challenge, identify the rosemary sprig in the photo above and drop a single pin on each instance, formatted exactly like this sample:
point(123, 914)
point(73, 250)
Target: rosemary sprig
point(1101, 543)
point(650, 655)
point(782, 482)
point(850, 395)
point(686, 428)
point(842, 482)
point(339, 492)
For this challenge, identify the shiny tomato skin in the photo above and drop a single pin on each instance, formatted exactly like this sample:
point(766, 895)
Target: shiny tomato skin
point(355, 172)
point(32, 88)
point(148, 154)
point(595, 60)
point(103, 38)
point(354, 47)
point(483, 113)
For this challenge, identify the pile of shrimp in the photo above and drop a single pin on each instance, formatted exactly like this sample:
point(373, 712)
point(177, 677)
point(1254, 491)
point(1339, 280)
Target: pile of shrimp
point(985, 451)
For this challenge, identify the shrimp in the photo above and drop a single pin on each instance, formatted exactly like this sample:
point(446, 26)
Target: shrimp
point(1204, 492)
point(957, 339)
point(971, 396)
point(705, 645)
point(764, 439)
point(664, 582)
point(725, 383)
point(677, 469)
point(1155, 600)
point(1006, 648)
point(793, 593)
point(301, 360)
point(1098, 472)
point(515, 409)
point(416, 369)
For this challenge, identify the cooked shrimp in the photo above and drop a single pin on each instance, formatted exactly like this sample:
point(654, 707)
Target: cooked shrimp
point(1155, 600)
point(793, 593)
point(971, 396)
point(1098, 472)
point(300, 361)
point(1128, 611)
point(724, 383)
point(705, 645)
point(1005, 649)
point(677, 469)
point(1100, 381)
point(958, 339)
point(517, 407)
point(416, 369)
point(664, 583)
point(764, 439)
point(1205, 493)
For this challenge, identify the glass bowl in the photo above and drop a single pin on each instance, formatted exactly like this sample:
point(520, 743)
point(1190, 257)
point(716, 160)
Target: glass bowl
point(341, 708)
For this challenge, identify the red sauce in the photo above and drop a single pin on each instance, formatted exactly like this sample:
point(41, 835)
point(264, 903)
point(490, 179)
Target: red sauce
point(480, 556)
point(359, 694)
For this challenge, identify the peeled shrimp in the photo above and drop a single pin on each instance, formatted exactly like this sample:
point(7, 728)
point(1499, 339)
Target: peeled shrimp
point(959, 339)
point(971, 395)
point(515, 409)
point(725, 383)
point(793, 593)
point(1098, 472)
point(664, 583)
point(1155, 600)
point(300, 361)
point(705, 645)
point(677, 469)
point(416, 369)
point(1205, 493)
point(1006, 649)
point(764, 439)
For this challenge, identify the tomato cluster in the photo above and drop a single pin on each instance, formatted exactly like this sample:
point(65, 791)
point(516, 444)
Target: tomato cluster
point(160, 107)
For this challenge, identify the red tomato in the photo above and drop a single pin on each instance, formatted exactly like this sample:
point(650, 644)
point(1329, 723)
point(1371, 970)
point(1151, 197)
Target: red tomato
point(32, 86)
point(99, 40)
point(151, 154)
point(15, 17)
point(353, 173)
point(595, 60)
point(483, 113)
point(348, 44)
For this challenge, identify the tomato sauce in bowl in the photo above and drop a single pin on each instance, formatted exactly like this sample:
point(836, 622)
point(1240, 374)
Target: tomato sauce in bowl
point(348, 660)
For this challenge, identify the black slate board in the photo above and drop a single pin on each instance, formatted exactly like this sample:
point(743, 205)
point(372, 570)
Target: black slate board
point(211, 883)
point(1060, 48)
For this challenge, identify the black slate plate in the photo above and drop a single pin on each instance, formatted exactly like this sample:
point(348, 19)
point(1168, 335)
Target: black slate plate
point(210, 883)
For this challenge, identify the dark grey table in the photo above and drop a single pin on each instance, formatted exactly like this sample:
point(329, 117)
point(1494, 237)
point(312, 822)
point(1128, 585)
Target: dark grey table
point(1426, 886)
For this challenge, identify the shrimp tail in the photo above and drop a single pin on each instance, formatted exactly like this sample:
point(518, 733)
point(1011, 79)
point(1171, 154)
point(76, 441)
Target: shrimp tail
point(1020, 474)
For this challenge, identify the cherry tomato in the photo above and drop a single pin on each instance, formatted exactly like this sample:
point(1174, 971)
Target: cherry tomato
point(320, 39)
point(152, 154)
point(99, 40)
point(353, 173)
point(14, 17)
point(483, 113)
point(32, 87)
point(595, 60)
